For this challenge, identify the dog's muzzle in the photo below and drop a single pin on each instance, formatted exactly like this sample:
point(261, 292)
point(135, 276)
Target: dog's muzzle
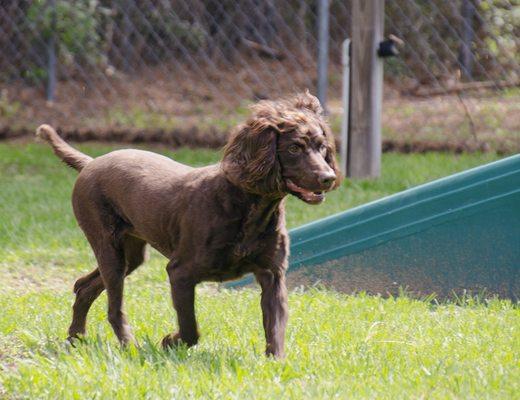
point(308, 196)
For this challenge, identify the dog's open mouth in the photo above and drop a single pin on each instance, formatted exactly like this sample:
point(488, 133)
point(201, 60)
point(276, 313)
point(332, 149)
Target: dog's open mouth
point(307, 196)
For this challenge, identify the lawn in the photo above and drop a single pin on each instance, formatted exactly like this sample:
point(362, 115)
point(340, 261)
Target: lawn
point(337, 345)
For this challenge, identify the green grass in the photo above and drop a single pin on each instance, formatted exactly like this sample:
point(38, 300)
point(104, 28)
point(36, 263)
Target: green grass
point(337, 345)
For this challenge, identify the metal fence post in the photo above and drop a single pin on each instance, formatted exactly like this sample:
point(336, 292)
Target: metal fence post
point(125, 10)
point(345, 97)
point(467, 13)
point(51, 55)
point(323, 51)
point(364, 153)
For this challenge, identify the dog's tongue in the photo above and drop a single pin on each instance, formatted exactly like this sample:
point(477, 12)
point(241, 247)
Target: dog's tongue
point(306, 195)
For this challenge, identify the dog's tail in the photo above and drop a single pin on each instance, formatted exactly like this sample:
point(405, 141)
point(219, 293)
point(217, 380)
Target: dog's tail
point(69, 155)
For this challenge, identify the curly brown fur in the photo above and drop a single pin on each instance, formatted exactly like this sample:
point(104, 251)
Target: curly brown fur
point(249, 158)
point(213, 223)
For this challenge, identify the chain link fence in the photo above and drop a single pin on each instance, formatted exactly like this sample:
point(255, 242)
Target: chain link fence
point(179, 63)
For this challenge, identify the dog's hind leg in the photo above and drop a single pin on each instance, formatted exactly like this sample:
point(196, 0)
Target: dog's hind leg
point(85, 281)
point(89, 287)
point(86, 293)
point(111, 264)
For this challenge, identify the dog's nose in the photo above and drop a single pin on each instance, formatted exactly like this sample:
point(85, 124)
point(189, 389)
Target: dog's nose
point(327, 179)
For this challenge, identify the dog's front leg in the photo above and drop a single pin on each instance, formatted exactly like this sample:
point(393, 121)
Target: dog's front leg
point(274, 310)
point(183, 295)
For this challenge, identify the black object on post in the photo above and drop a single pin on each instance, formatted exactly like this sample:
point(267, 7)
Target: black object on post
point(390, 46)
point(387, 48)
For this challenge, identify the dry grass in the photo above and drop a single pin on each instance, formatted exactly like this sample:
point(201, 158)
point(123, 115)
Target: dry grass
point(153, 102)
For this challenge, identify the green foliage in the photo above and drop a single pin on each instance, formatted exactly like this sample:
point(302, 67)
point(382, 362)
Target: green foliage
point(503, 23)
point(102, 33)
point(432, 31)
point(34, 74)
point(75, 24)
point(8, 108)
point(140, 118)
point(172, 30)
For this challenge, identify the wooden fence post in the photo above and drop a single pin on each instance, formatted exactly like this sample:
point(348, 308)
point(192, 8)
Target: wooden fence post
point(364, 158)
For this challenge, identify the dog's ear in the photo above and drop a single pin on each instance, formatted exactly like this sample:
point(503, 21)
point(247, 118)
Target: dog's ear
point(330, 157)
point(250, 159)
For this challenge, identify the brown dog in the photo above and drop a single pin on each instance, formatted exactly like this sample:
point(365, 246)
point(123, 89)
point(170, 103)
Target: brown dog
point(214, 223)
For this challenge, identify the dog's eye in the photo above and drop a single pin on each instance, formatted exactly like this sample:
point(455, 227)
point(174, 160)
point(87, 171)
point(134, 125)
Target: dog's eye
point(295, 149)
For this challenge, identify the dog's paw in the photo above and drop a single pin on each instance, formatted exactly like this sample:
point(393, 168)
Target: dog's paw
point(74, 340)
point(174, 340)
point(171, 340)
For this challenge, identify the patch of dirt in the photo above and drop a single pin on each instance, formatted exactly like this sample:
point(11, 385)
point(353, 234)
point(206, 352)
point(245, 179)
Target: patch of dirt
point(424, 146)
point(152, 107)
point(214, 139)
point(28, 278)
point(191, 137)
point(488, 117)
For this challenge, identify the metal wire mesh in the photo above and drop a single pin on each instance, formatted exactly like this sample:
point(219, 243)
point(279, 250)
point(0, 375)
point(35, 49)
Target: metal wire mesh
point(178, 56)
point(446, 39)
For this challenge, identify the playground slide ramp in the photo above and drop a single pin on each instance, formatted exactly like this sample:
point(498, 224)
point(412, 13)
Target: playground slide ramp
point(453, 235)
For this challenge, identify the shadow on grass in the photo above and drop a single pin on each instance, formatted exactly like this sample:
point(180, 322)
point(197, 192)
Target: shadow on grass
point(147, 352)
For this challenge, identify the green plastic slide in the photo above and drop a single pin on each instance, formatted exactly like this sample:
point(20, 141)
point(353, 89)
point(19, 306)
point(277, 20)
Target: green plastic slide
point(460, 233)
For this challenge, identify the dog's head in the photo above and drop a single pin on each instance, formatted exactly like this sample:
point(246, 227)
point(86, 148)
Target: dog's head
point(285, 147)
